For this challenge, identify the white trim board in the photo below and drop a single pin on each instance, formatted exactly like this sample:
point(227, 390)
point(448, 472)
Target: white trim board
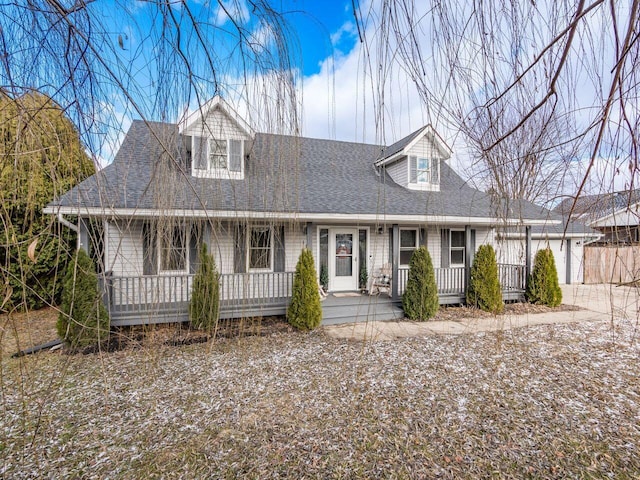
point(295, 216)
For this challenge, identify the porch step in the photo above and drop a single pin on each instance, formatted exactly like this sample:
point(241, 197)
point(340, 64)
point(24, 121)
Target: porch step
point(361, 308)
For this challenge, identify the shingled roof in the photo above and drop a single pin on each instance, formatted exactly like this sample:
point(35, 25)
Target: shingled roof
point(283, 174)
point(590, 208)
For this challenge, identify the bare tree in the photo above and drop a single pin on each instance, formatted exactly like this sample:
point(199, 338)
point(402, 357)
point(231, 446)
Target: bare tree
point(530, 85)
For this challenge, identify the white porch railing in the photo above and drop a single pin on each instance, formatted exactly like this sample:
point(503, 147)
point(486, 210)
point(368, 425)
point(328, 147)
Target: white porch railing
point(451, 281)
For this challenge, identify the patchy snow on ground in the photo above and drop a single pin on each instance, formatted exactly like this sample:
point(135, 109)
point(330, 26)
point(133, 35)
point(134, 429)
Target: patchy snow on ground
point(544, 402)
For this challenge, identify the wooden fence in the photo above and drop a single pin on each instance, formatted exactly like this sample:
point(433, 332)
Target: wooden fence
point(611, 264)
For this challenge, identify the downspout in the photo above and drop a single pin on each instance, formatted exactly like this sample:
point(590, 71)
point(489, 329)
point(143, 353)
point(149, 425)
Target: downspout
point(67, 223)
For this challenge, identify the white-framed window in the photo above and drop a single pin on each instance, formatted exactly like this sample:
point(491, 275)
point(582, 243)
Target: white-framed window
point(217, 157)
point(457, 249)
point(260, 248)
point(173, 249)
point(217, 154)
point(424, 172)
point(408, 244)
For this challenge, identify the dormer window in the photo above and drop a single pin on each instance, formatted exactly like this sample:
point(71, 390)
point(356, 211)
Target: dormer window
point(423, 171)
point(217, 158)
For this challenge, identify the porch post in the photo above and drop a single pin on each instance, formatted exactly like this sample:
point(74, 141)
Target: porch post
point(395, 260)
point(568, 262)
point(310, 236)
point(527, 264)
point(467, 257)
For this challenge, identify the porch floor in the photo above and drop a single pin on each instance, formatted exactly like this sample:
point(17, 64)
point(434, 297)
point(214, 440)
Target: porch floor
point(349, 307)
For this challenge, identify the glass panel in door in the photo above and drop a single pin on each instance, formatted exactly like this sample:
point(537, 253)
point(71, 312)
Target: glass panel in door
point(344, 255)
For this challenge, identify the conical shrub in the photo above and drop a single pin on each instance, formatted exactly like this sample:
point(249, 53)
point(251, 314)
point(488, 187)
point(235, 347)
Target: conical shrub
point(543, 287)
point(204, 306)
point(420, 299)
point(305, 311)
point(484, 290)
point(83, 319)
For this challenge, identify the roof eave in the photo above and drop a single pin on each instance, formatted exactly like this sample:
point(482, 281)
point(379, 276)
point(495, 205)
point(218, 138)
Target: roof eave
point(299, 216)
point(428, 129)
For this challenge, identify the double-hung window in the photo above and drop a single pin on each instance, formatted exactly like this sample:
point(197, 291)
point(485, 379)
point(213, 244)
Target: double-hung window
point(217, 157)
point(173, 248)
point(260, 251)
point(408, 244)
point(457, 247)
point(424, 172)
point(217, 154)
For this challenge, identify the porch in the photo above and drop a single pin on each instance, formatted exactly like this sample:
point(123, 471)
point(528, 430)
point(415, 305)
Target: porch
point(149, 299)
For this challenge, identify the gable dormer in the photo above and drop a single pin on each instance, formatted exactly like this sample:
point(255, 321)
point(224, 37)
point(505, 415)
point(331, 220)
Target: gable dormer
point(415, 161)
point(218, 140)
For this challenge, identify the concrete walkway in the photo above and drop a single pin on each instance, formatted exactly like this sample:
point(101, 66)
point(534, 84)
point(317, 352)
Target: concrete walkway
point(599, 303)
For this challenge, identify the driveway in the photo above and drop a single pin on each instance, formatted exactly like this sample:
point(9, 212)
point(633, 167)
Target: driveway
point(598, 303)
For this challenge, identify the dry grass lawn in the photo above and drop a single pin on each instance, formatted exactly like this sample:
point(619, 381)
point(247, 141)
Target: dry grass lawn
point(543, 402)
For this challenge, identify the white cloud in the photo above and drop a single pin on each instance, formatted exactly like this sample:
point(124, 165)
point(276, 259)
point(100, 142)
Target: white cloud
point(237, 9)
point(346, 31)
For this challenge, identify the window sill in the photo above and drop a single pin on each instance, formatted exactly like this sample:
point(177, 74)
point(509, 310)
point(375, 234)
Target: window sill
point(219, 174)
point(425, 187)
point(173, 272)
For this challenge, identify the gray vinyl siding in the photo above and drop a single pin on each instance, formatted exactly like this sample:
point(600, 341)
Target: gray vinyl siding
point(425, 148)
point(294, 242)
point(217, 125)
point(399, 172)
point(124, 248)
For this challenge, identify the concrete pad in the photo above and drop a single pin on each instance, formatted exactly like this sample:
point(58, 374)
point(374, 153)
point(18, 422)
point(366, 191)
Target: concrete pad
point(598, 303)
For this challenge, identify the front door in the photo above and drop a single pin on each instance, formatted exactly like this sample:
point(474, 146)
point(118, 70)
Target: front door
point(343, 261)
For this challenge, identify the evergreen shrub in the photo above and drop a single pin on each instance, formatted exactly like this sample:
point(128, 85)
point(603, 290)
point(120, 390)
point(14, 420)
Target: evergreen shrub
point(204, 306)
point(420, 299)
point(41, 157)
point(543, 287)
point(83, 319)
point(484, 290)
point(305, 311)
point(324, 277)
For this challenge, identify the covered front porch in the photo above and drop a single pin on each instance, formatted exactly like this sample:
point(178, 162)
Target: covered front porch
point(150, 299)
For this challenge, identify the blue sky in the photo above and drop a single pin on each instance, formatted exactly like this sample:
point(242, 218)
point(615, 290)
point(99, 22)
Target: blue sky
point(324, 37)
point(335, 89)
point(324, 28)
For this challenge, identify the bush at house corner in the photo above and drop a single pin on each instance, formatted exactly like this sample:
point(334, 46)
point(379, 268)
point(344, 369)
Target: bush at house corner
point(420, 299)
point(305, 311)
point(484, 287)
point(83, 319)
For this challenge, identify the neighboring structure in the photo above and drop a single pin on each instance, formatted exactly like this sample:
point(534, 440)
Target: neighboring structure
point(257, 199)
point(616, 215)
point(614, 257)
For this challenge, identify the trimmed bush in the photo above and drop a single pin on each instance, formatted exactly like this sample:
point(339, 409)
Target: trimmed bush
point(204, 306)
point(543, 287)
point(83, 319)
point(420, 299)
point(484, 290)
point(305, 311)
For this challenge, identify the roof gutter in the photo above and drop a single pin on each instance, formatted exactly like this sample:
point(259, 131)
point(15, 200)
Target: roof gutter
point(296, 216)
point(390, 159)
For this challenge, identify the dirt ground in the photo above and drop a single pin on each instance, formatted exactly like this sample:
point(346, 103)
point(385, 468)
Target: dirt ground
point(19, 331)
